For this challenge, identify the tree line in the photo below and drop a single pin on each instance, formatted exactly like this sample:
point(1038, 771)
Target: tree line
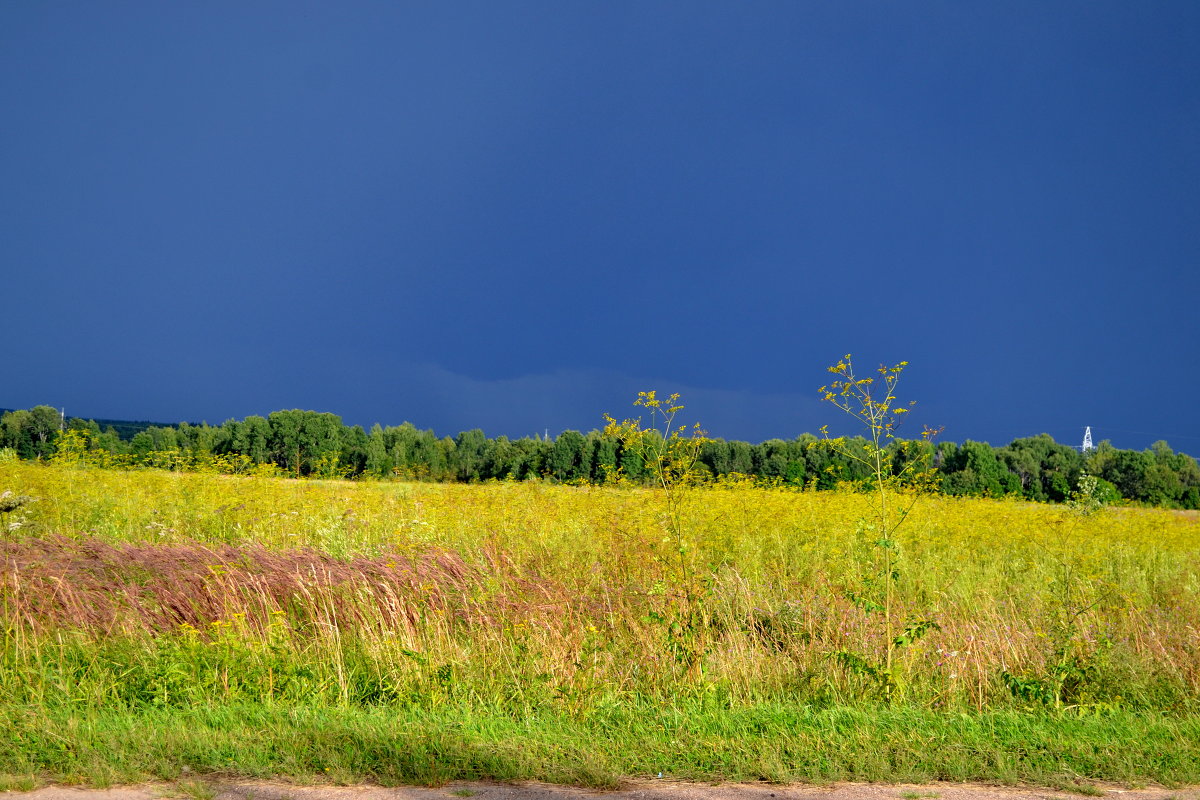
point(315, 444)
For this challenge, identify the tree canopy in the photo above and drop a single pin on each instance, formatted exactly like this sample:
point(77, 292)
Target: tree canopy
point(316, 444)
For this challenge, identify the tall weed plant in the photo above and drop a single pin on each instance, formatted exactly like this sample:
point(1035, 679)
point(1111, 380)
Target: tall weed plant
point(894, 489)
point(670, 451)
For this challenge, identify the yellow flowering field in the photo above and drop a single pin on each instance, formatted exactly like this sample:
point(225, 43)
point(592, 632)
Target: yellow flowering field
point(577, 594)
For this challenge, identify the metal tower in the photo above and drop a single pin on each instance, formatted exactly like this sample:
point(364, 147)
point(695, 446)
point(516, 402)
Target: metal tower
point(1087, 439)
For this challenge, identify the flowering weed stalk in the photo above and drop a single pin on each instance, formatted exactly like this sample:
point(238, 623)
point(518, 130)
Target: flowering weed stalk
point(873, 402)
point(671, 451)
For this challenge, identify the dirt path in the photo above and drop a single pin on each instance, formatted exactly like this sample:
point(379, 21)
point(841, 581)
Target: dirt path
point(641, 790)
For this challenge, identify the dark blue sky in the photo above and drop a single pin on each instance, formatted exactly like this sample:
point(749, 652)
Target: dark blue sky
point(516, 215)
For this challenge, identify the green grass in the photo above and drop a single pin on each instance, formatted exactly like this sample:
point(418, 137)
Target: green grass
point(195, 790)
point(462, 741)
point(18, 783)
point(1085, 789)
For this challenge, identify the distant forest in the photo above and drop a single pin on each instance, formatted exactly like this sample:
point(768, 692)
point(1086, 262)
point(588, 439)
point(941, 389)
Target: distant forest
point(315, 444)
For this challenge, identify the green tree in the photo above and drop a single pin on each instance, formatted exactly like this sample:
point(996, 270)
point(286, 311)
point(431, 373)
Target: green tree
point(631, 465)
point(251, 437)
point(467, 459)
point(379, 460)
point(301, 438)
point(162, 438)
point(32, 433)
point(530, 457)
point(111, 441)
point(141, 443)
point(424, 460)
point(445, 458)
point(714, 454)
point(975, 470)
point(741, 458)
point(498, 460)
point(45, 423)
point(1127, 471)
point(1044, 469)
point(569, 459)
point(1025, 461)
point(771, 459)
point(603, 451)
point(353, 453)
point(401, 443)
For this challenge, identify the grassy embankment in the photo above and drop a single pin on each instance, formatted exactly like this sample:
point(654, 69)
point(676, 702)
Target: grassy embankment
point(157, 624)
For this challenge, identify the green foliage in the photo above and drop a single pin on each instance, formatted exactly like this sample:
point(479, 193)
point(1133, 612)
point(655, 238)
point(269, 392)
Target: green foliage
point(301, 439)
point(307, 443)
point(976, 469)
point(570, 458)
point(469, 454)
point(32, 433)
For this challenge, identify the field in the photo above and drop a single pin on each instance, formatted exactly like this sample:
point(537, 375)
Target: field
point(160, 624)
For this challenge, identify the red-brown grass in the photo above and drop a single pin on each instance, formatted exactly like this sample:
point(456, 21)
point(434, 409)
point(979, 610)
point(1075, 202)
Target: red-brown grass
point(58, 582)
